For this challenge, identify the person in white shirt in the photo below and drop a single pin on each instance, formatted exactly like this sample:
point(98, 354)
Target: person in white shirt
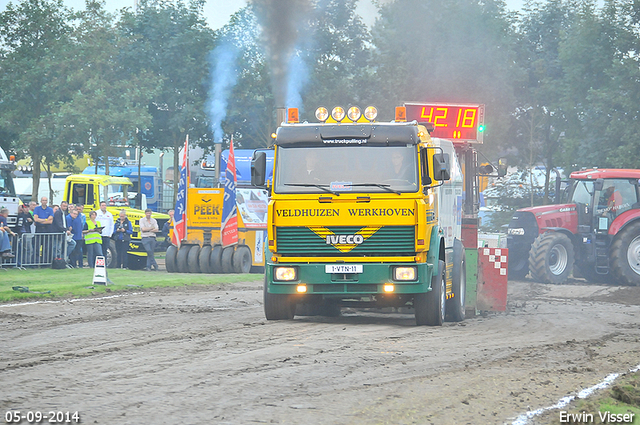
point(106, 219)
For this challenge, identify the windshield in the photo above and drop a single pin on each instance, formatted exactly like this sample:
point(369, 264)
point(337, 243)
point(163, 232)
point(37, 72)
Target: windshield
point(361, 169)
point(6, 184)
point(116, 195)
point(582, 192)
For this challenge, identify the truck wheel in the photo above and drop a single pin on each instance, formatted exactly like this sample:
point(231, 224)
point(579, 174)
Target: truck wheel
point(110, 255)
point(182, 258)
point(277, 306)
point(227, 260)
point(170, 259)
point(430, 306)
point(455, 306)
point(203, 259)
point(215, 260)
point(192, 259)
point(625, 255)
point(242, 260)
point(551, 258)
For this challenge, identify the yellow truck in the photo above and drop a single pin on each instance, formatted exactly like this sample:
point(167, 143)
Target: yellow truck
point(362, 214)
point(200, 251)
point(89, 190)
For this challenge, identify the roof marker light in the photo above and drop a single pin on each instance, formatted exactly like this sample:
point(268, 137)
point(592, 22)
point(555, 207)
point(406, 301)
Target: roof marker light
point(338, 113)
point(354, 113)
point(322, 114)
point(371, 113)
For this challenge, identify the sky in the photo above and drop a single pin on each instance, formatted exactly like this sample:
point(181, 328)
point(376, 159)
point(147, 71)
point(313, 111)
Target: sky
point(218, 12)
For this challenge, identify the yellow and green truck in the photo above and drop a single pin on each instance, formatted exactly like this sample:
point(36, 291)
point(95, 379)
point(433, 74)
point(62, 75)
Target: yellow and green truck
point(91, 189)
point(362, 214)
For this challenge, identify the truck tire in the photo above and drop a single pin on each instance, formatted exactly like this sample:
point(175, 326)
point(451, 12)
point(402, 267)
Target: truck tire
point(182, 259)
point(625, 255)
point(110, 255)
point(242, 260)
point(203, 259)
point(192, 259)
point(455, 307)
point(277, 306)
point(227, 260)
point(551, 258)
point(170, 259)
point(215, 260)
point(430, 306)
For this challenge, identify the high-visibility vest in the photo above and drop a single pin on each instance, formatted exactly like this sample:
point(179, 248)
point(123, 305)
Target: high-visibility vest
point(93, 237)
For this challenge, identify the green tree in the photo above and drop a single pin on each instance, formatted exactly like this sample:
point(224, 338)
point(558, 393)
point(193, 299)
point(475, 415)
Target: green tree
point(33, 37)
point(172, 41)
point(108, 102)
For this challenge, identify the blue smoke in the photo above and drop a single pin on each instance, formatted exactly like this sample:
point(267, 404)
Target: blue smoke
point(298, 77)
point(223, 78)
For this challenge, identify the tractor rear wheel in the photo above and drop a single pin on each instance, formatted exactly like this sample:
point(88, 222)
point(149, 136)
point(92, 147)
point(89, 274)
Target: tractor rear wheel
point(170, 259)
point(625, 255)
point(551, 258)
point(192, 259)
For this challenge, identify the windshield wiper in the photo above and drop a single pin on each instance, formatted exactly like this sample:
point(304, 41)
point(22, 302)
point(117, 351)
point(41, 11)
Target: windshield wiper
point(381, 186)
point(319, 186)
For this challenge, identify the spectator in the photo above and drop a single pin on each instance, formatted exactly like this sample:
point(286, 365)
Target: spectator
point(32, 207)
point(92, 238)
point(74, 224)
point(106, 219)
point(59, 225)
point(122, 234)
point(25, 237)
point(148, 230)
point(43, 216)
point(5, 231)
point(166, 229)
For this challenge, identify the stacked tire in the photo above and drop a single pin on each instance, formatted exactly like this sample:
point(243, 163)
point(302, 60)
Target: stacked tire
point(208, 259)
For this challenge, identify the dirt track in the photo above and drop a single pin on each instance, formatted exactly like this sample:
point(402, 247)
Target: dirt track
point(200, 355)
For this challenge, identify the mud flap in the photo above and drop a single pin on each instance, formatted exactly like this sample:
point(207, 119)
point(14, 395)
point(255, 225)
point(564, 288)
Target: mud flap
point(471, 261)
point(492, 279)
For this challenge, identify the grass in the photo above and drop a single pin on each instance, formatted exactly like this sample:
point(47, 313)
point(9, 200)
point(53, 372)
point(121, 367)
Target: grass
point(48, 283)
point(623, 397)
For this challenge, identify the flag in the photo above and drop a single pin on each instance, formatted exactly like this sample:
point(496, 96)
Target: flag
point(229, 226)
point(180, 213)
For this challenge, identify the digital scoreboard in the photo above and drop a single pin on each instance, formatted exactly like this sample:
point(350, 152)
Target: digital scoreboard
point(450, 121)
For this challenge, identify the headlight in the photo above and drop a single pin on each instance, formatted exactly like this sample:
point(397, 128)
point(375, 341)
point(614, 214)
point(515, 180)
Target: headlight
point(404, 273)
point(285, 274)
point(515, 231)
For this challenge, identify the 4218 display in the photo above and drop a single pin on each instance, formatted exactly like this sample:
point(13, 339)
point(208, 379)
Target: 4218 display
point(450, 121)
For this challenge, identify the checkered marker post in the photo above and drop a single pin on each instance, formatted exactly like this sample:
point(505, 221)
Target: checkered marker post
point(492, 279)
point(100, 272)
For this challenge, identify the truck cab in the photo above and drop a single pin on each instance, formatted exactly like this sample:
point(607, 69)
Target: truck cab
point(354, 220)
point(8, 196)
point(91, 189)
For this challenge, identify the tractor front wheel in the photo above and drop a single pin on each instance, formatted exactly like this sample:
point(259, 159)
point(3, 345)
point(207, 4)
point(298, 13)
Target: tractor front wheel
point(551, 258)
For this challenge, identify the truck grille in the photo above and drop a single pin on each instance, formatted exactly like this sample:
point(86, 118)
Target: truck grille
point(385, 241)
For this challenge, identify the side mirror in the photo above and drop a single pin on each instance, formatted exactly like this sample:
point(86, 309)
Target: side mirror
point(258, 168)
point(441, 166)
point(502, 167)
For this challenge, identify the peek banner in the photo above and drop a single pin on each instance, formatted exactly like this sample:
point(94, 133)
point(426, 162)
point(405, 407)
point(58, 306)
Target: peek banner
point(229, 226)
point(180, 214)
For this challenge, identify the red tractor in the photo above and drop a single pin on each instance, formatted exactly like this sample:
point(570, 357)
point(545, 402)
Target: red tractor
point(595, 234)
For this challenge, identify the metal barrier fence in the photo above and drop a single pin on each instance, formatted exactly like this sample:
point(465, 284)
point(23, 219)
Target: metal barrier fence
point(35, 250)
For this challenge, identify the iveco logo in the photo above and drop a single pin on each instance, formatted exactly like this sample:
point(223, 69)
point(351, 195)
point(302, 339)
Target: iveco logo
point(345, 239)
point(344, 243)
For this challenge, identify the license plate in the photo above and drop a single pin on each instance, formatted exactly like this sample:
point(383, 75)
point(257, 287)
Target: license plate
point(343, 268)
